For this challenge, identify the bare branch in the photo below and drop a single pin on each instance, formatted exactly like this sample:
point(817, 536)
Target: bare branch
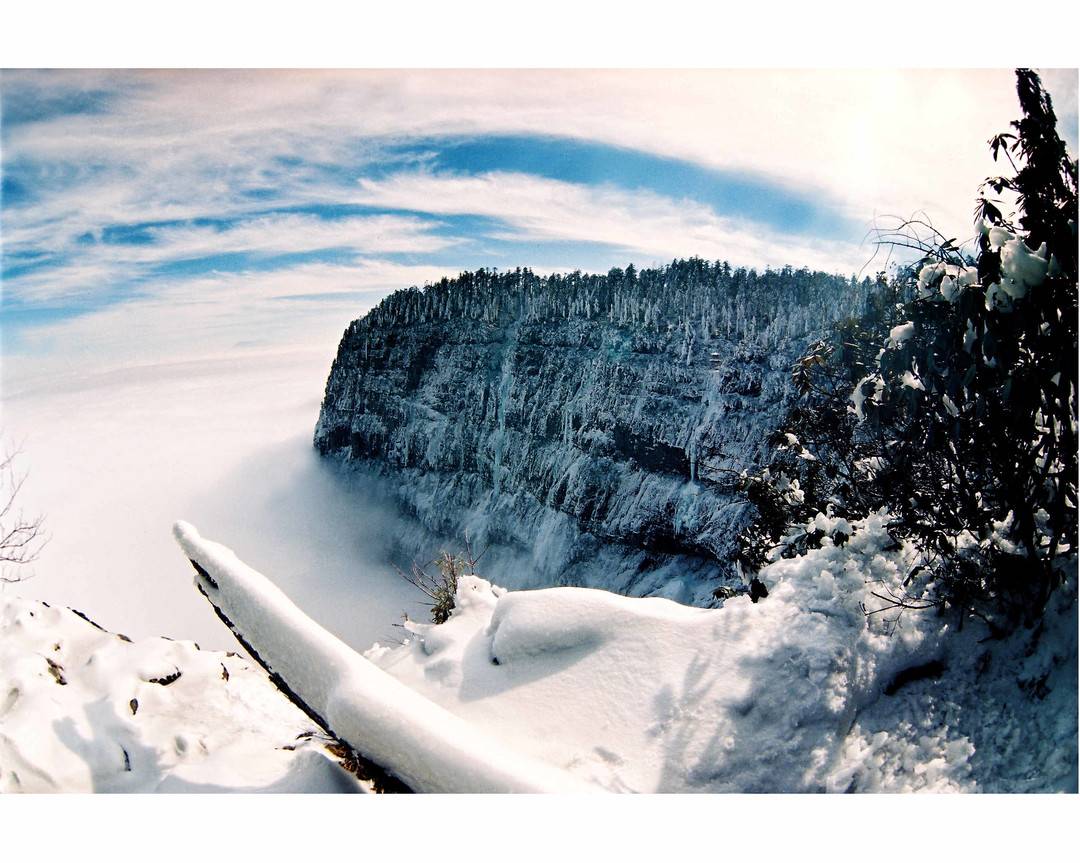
point(21, 537)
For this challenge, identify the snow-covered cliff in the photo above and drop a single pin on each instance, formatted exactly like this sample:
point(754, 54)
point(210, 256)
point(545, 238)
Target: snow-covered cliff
point(580, 419)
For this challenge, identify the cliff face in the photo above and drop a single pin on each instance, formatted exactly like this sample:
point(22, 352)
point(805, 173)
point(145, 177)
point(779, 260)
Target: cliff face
point(592, 423)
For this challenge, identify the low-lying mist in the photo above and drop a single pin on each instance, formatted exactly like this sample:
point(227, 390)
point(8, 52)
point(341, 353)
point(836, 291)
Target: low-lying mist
point(114, 460)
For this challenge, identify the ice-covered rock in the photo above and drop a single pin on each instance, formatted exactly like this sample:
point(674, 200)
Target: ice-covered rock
point(594, 423)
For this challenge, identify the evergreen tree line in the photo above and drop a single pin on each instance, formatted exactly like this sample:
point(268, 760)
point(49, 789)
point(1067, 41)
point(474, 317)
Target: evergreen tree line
point(720, 300)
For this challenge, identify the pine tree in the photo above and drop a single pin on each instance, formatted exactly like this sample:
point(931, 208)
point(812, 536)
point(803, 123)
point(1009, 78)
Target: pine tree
point(952, 401)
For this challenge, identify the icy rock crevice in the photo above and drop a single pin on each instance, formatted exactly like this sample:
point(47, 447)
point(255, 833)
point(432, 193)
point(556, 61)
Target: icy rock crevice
point(577, 416)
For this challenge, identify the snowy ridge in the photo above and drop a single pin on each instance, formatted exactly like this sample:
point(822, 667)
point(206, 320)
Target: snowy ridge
point(426, 747)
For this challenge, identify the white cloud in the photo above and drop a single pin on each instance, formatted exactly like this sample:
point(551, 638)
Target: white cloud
point(215, 315)
point(647, 226)
point(868, 141)
point(282, 234)
point(80, 279)
point(98, 267)
point(184, 145)
point(113, 460)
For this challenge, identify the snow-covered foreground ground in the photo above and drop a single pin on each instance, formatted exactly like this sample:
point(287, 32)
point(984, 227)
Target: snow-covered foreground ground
point(82, 709)
point(784, 695)
point(574, 688)
point(561, 689)
point(114, 459)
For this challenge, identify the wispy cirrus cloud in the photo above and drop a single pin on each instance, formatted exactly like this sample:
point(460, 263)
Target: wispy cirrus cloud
point(864, 141)
point(639, 225)
point(137, 189)
point(305, 305)
point(95, 262)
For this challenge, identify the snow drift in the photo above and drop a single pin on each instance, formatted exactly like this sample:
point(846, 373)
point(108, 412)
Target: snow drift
point(426, 747)
point(573, 688)
point(562, 689)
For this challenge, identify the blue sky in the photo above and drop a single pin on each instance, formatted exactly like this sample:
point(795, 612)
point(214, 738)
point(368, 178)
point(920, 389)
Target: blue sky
point(153, 215)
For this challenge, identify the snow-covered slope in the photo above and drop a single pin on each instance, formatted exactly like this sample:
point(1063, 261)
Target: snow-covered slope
point(424, 746)
point(82, 709)
point(559, 689)
point(592, 423)
point(789, 694)
point(567, 688)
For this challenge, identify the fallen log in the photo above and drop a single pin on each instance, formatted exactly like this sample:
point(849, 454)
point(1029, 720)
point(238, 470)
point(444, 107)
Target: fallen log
point(401, 741)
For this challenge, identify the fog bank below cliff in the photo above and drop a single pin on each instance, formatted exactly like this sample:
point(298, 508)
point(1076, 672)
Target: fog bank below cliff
point(114, 459)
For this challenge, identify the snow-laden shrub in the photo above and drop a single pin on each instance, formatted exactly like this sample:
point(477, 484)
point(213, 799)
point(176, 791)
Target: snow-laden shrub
point(952, 401)
point(441, 587)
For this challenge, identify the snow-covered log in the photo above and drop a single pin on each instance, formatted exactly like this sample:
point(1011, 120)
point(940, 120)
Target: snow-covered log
point(412, 739)
point(585, 429)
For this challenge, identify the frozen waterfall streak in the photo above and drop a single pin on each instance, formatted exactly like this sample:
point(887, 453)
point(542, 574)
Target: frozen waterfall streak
point(506, 382)
point(407, 742)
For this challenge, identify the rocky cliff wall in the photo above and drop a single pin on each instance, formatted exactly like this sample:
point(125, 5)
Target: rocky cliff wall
point(593, 424)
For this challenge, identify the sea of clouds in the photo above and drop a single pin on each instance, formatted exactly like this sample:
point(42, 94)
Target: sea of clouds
point(112, 460)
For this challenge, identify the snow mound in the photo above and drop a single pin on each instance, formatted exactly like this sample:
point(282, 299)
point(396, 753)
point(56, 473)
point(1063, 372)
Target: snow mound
point(82, 709)
point(802, 691)
point(426, 747)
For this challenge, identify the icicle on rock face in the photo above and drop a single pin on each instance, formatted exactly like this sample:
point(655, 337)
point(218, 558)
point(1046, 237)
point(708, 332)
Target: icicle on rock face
point(609, 411)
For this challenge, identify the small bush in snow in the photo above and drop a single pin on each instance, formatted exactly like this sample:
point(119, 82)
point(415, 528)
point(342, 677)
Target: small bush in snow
point(441, 587)
point(21, 537)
